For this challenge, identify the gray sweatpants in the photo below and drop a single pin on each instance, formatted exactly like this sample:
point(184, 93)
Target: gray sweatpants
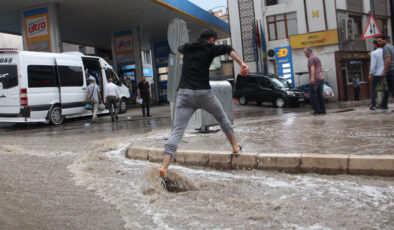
point(188, 101)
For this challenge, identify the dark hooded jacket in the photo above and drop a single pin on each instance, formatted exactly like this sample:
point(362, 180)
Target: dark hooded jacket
point(197, 58)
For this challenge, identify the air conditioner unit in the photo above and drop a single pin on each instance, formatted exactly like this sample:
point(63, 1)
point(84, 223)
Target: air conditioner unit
point(349, 29)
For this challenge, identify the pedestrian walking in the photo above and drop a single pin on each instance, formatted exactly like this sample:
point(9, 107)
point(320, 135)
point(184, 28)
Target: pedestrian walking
point(316, 82)
point(93, 96)
point(112, 98)
point(388, 71)
point(194, 92)
point(144, 93)
point(356, 87)
point(375, 70)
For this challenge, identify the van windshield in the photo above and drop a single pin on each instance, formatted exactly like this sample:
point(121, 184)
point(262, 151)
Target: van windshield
point(8, 76)
point(279, 84)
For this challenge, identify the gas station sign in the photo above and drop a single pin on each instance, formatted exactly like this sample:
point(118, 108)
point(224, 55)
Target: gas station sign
point(284, 63)
point(37, 33)
point(124, 47)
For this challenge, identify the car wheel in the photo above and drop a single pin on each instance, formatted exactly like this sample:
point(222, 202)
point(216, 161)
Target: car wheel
point(55, 116)
point(123, 106)
point(242, 100)
point(279, 102)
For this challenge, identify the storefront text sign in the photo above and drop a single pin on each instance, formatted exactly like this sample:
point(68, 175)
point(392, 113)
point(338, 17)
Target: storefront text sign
point(323, 38)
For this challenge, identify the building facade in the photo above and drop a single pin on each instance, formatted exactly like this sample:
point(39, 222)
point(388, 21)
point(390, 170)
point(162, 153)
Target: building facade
point(332, 28)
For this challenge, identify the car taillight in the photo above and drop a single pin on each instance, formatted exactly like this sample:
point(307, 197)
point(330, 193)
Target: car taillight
point(23, 97)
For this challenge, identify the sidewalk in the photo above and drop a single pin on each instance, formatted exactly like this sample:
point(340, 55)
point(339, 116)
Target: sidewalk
point(330, 141)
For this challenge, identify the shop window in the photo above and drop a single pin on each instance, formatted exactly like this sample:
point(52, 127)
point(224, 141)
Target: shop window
point(282, 26)
point(356, 67)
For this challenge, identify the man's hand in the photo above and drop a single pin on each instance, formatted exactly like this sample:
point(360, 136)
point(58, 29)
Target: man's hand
point(106, 100)
point(244, 70)
point(370, 77)
point(312, 80)
point(383, 74)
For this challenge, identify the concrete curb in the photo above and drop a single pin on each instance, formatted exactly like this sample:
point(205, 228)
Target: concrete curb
point(373, 165)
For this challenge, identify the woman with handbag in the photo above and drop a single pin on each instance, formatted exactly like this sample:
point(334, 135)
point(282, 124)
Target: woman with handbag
point(93, 97)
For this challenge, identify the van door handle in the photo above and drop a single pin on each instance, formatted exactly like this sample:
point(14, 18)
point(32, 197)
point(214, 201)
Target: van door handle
point(2, 96)
point(83, 88)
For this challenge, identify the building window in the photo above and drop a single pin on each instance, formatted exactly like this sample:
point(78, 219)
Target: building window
point(271, 2)
point(357, 24)
point(382, 23)
point(282, 26)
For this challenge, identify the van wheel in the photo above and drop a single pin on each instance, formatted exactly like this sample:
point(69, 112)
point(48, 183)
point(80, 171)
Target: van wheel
point(55, 116)
point(279, 102)
point(242, 100)
point(123, 106)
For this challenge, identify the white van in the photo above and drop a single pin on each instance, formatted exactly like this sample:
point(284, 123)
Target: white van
point(48, 87)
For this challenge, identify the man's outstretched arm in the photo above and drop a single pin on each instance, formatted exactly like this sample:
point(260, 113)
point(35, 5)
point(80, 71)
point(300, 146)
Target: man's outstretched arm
point(244, 67)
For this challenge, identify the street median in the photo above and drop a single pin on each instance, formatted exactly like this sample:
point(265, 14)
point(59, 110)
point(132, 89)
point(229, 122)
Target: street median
point(373, 165)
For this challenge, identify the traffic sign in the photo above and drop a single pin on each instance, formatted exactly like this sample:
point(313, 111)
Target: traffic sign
point(372, 29)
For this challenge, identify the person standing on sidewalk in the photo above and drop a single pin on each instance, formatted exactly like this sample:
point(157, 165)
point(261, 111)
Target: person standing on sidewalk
point(93, 96)
point(376, 69)
point(194, 92)
point(112, 98)
point(317, 82)
point(388, 72)
point(144, 92)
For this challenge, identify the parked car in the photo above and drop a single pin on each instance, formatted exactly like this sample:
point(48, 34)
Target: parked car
point(48, 87)
point(328, 92)
point(266, 88)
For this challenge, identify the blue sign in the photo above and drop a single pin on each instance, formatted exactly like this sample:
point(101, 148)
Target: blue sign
point(284, 63)
point(161, 51)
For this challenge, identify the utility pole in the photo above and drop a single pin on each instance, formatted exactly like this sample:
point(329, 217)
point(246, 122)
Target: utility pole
point(372, 4)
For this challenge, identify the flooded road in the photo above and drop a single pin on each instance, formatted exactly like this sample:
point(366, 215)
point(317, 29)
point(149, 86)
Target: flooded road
point(77, 177)
point(237, 199)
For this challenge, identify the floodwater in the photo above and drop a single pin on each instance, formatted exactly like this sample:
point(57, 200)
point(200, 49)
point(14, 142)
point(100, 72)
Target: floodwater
point(234, 199)
point(77, 177)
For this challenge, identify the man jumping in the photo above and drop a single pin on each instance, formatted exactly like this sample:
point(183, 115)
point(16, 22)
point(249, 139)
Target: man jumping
point(194, 92)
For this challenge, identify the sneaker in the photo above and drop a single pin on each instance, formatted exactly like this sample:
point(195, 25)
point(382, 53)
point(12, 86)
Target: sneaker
point(235, 154)
point(164, 183)
point(372, 108)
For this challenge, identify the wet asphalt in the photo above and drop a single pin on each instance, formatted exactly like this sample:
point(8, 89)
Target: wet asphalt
point(37, 188)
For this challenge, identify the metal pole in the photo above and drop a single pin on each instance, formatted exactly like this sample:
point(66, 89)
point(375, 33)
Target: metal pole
point(372, 5)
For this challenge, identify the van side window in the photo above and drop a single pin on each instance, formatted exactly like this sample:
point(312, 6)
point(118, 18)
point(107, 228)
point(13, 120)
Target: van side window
point(41, 76)
point(71, 75)
point(8, 76)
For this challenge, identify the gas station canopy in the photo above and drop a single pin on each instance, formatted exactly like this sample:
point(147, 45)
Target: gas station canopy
point(91, 22)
